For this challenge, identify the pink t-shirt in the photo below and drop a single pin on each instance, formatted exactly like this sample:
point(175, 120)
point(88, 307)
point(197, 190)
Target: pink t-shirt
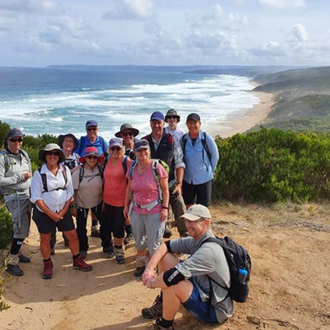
point(115, 183)
point(145, 188)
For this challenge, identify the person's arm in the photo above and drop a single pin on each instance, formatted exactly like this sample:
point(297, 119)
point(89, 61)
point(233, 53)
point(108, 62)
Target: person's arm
point(179, 178)
point(166, 197)
point(213, 150)
point(127, 199)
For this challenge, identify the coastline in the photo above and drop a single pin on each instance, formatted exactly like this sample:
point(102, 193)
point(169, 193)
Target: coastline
point(243, 119)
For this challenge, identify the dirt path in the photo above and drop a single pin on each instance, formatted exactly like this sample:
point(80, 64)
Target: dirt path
point(289, 287)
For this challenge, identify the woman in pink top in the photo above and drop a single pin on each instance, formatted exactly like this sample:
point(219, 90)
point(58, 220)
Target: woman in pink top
point(147, 180)
point(115, 184)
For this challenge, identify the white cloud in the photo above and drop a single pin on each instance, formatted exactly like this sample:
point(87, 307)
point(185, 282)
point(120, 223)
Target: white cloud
point(299, 33)
point(283, 3)
point(130, 9)
point(38, 7)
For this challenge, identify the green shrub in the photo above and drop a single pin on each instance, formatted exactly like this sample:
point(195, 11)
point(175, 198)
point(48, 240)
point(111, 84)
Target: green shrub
point(5, 228)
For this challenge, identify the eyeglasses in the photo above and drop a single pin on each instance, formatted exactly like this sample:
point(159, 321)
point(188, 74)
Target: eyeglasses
point(91, 157)
point(191, 222)
point(129, 133)
point(115, 148)
point(16, 140)
point(91, 129)
point(54, 153)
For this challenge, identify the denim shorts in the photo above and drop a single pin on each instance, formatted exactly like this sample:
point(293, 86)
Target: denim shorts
point(198, 308)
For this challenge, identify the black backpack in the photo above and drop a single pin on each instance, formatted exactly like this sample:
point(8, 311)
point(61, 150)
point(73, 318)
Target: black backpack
point(238, 258)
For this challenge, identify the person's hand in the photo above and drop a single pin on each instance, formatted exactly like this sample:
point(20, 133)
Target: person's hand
point(147, 275)
point(177, 190)
point(56, 216)
point(163, 215)
point(125, 212)
point(27, 175)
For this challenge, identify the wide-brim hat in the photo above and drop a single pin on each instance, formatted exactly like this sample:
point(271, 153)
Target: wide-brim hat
point(125, 127)
point(91, 151)
point(62, 137)
point(171, 113)
point(195, 212)
point(51, 147)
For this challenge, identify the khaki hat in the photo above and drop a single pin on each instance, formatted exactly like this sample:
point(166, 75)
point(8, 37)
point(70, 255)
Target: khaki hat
point(195, 212)
point(126, 127)
point(171, 113)
point(51, 147)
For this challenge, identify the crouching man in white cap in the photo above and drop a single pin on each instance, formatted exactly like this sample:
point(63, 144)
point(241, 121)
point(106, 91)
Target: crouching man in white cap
point(187, 282)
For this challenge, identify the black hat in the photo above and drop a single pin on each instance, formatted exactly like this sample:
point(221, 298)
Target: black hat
point(62, 137)
point(125, 127)
point(193, 116)
point(171, 113)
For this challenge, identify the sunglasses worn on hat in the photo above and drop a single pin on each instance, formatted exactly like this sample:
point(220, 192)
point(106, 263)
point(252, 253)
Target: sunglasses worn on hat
point(92, 129)
point(129, 133)
point(91, 157)
point(115, 148)
point(54, 153)
point(16, 140)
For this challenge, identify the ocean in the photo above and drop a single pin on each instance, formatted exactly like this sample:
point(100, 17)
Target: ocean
point(59, 100)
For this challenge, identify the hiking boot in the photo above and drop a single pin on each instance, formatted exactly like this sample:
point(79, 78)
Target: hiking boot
point(95, 232)
point(155, 310)
point(109, 250)
point(24, 259)
point(139, 271)
point(157, 326)
point(47, 274)
point(14, 270)
point(80, 264)
point(128, 239)
point(120, 259)
point(83, 254)
point(167, 233)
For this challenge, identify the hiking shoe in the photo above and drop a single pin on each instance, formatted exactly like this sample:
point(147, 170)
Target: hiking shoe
point(139, 271)
point(80, 264)
point(109, 250)
point(14, 270)
point(95, 232)
point(47, 274)
point(157, 326)
point(128, 239)
point(120, 259)
point(83, 254)
point(167, 233)
point(24, 259)
point(155, 310)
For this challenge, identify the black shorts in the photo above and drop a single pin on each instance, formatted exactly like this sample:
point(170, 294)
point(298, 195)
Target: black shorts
point(197, 193)
point(115, 220)
point(46, 225)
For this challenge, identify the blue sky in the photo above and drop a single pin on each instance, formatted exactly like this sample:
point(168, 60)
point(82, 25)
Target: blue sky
point(164, 32)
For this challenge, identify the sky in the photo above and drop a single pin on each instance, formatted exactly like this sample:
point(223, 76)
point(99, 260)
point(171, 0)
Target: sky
point(37, 33)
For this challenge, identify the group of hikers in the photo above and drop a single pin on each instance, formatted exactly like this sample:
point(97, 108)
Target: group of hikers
point(129, 185)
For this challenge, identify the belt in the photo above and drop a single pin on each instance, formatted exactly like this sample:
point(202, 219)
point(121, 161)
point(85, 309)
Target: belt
point(148, 206)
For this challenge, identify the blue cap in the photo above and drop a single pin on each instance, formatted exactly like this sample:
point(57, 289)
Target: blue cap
point(92, 123)
point(157, 115)
point(15, 132)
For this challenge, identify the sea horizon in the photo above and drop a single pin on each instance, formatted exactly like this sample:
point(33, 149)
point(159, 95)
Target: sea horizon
point(60, 99)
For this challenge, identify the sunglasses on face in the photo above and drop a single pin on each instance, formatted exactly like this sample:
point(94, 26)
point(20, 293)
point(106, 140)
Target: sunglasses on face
point(54, 153)
point(129, 133)
point(192, 222)
point(115, 149)
point(91, 157)
point(16, 140)
point(171, 117)
point(91, 129)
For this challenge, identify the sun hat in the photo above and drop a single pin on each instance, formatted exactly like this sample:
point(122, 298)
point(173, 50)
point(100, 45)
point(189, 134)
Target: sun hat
point(157, 115)
point(51, 147)
point(141, 144)
point(116, 142)
point(126, 127)
point(171, 113)
point(193, 116)
point(62, 137)
point(91, 151)
point(195, 212)
point(14, 132)
point(92, 123)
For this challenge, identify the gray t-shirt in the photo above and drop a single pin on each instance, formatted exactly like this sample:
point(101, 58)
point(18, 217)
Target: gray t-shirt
point(208, 259)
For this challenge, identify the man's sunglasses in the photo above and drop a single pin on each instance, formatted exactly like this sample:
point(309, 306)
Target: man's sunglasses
point(129, 133)
point(54, 153)
point(92, 129)
point(171, 117)
point(16, 140)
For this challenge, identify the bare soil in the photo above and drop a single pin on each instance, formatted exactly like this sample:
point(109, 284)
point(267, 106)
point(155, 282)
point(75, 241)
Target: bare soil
point(289, 284)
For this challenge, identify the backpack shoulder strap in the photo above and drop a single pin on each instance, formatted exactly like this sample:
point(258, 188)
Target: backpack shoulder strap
point(99, 166)
point(65, 175)
point(81, 172)
point(131, 169)
point(124, 163)
point(205, 146)
point(4, 153)
point(184, 142)
point(43, 179)
point(81, 144)
point(106, 161)
point(104, 147)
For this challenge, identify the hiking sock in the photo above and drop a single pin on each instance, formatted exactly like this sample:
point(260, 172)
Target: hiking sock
point(118, 246)
point(128, 229)
point(47, 260)
point(165, 323)
point(16, 245)
point(76, 256)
